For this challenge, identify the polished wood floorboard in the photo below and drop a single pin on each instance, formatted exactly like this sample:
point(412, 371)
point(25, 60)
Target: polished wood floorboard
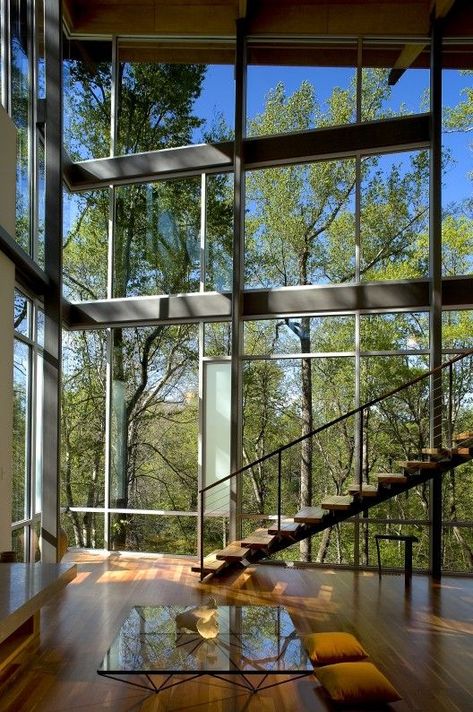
point(422, 640)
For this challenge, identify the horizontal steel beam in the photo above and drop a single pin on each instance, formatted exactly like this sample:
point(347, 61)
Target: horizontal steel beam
point(148, 310)
point(27, 272)
point(387, 135)
point(268, 303)
point(153, 165)
point(287, 301)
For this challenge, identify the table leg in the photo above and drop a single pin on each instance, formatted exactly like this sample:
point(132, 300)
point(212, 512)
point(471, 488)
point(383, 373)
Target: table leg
point(408, 562)
point(379, 556)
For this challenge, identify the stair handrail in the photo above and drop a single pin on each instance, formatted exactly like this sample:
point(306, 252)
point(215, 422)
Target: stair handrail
point(360, 409)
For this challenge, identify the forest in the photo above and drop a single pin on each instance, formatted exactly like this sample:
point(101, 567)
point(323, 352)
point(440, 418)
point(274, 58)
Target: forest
point(330, 222)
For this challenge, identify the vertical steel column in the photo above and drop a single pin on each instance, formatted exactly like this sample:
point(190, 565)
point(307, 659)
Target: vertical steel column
point(110, 289)
point(436, 288)
point(238, 273)
point(53, 268)
point(358, 418)
point(201, 454)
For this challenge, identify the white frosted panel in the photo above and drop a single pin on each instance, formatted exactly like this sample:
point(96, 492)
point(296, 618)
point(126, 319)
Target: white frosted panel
point(217, 393)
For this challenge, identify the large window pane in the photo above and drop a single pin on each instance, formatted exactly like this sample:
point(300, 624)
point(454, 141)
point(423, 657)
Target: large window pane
point(300, 334)
point(218, 339)
point(155, 419)
point(457, 216)
point(395, 79)
point(295, 87)
point(300, 225)
point(152, 533)
point(457, 549)
point(20, 110)
point(173, 94)
point(395, 332)
point(21, 409)
point(392, 552)
point(83, 430)
point(219, 233)
point(394, 216)
point(85, 245)
point(287, 398)
point(22, 314)
point(92, 524)
point(157, 241)
point(87, 76)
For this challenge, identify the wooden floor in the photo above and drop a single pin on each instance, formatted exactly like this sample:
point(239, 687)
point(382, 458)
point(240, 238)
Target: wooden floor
point(423, 640)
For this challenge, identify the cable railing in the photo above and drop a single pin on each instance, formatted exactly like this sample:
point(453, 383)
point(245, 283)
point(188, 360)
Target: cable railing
point(400, 424)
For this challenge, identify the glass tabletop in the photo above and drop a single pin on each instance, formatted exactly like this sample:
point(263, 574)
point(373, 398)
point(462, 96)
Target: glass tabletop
point(247, 639)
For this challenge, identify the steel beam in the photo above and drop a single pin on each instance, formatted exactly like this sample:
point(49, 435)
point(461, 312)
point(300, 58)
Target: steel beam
point(336, 142)
point(27, 272)
point(384, 136)
point(153, 165)
point(457, 293)
point(435, 288)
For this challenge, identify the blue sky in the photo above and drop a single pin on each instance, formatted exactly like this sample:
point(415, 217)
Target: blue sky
point(411, 90)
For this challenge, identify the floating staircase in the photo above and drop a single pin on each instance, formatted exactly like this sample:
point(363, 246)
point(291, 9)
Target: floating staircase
point(284, 531)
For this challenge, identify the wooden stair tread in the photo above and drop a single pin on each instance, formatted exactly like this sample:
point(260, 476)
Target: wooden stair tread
point(211, 564)
point(233, 552)
point(366, 490)
point(259, 539)
point(310, 515)
point(391, 478)
point(463, 451)
point(436, 451)
point(336, 501)
point(418, 465)
point(288, 527)
point(443, 452)
point(468, 435)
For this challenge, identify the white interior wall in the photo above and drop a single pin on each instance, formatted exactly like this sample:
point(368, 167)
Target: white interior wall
point(7, 172)
point(7, 285)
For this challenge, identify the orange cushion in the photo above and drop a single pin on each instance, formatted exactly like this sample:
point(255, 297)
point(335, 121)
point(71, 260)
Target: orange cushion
point(359, 682)
point(326, 648)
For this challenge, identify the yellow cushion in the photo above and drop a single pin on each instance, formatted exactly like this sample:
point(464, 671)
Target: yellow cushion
point(326, 648)
point(359, 682)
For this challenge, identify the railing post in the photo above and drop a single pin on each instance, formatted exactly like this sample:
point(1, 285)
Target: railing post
point(360, 454)
point(201, 533)
point(279, 491)
point(450, 406)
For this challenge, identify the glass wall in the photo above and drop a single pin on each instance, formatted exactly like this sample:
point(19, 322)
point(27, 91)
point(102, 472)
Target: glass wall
point(301, 85)
point(355, 220)
point(87, 78)
point(189, 95)
point(27, 419)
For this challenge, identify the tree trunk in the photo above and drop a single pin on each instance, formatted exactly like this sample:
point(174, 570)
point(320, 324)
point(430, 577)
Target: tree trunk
point(307, 426)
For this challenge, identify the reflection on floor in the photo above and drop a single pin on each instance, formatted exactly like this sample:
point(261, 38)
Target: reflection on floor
point(421, 639)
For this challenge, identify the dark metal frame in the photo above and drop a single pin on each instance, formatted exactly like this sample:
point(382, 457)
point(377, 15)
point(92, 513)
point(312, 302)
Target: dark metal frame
point(53, 269)
point(403, 133)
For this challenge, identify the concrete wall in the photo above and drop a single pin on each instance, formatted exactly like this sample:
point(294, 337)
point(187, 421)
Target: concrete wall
point(7, 285)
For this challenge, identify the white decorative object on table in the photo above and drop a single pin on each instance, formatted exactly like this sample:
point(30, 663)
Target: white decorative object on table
point(201, 620)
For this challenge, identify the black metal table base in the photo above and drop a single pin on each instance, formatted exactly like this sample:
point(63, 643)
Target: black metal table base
point(226, 677)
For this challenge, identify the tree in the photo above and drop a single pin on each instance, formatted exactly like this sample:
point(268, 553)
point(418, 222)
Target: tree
point(156, 252)
point(301, 223)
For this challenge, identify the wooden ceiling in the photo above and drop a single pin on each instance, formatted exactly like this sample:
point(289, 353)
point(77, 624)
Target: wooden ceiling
point(216, 18)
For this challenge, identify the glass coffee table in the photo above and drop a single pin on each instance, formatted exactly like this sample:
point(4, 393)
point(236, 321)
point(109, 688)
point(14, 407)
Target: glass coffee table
point(256, 648)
